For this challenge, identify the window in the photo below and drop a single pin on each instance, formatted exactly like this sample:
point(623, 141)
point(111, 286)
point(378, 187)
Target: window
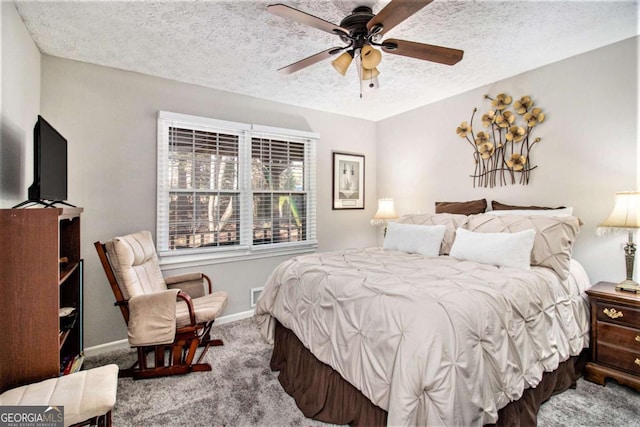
point(233, 188)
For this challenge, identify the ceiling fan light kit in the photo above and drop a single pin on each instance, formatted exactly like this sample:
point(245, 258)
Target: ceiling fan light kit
point(368, 74)
point(362, 30)
point(370, 57)
point(342, 62)
point(368, 78)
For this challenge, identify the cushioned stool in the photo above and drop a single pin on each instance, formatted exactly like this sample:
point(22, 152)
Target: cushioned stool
point(87, 396)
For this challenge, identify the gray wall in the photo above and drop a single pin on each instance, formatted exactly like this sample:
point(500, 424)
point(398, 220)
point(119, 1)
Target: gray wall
point(19, 105)
point(109, 117)
point(588, 151)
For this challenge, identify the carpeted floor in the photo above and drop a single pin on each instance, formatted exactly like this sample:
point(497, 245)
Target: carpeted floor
point(241, 390)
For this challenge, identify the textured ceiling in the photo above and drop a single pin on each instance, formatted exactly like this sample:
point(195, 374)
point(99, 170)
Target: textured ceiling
point(237, 46)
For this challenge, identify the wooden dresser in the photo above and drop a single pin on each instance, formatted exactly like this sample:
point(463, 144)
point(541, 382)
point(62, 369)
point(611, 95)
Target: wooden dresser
point(615, 336)
point(40, 274)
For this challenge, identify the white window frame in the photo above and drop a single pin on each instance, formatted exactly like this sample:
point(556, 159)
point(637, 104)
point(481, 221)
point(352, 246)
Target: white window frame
point(179, 258)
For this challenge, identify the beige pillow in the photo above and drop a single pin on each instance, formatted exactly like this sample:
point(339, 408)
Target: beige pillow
point(554, 239)
point(450, 221)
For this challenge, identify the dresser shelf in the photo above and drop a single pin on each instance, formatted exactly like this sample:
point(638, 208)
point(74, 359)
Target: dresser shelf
point(67, 271)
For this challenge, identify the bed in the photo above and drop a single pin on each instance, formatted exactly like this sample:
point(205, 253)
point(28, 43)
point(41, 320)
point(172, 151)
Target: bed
point(428, 338)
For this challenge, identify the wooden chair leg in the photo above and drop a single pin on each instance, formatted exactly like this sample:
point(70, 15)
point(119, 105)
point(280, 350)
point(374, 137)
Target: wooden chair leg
point(206, 346)
point(176, 350)
point(142, 358)
point(205, 337)
point(159, 356)
point(99, 421)
point(191, 352)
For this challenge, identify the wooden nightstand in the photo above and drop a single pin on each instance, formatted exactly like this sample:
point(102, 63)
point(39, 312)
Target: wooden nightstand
point(615, 336)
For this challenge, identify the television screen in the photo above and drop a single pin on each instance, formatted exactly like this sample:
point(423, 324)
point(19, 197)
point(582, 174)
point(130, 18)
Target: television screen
point(50, 164)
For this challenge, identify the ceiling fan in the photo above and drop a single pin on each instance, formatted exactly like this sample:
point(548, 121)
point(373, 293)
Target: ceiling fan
point(362, 31)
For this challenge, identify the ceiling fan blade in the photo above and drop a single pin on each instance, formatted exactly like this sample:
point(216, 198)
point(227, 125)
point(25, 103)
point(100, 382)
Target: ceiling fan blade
point(427, 52)
point(287, 12)
point(303, 63)
point(395, 12)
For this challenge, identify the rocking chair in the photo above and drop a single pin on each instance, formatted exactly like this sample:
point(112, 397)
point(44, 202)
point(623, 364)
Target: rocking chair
point(161, 314)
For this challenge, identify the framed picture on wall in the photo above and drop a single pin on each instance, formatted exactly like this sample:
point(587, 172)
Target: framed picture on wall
point(348, 181)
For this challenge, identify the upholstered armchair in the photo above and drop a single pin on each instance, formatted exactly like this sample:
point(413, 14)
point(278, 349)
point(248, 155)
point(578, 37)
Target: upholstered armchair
point(171, 316)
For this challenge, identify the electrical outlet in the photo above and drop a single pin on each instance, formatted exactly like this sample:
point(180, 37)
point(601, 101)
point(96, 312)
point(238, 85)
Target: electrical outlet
point(255, 294)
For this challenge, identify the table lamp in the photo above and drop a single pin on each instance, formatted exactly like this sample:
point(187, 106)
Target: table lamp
point(385, 212)
point(626, 216)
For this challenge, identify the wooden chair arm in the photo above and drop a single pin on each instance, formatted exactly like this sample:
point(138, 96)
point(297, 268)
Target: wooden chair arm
point(187, 299)
point(205, 277)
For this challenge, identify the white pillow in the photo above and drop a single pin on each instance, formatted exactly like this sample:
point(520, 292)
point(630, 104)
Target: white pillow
point(526, 212)
point(501, 249)
point(413, 238)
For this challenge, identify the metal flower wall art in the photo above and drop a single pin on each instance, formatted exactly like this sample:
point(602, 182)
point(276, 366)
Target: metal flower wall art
point(502, 150)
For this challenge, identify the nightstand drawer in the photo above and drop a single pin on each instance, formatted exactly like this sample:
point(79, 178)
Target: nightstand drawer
point(619, 335)
point(621, 314)
point(619, 358)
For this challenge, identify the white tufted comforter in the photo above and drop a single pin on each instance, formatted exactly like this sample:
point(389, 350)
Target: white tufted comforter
point(434, 341)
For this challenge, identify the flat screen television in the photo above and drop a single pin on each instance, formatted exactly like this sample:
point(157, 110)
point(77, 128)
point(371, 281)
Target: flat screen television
point(49, 165)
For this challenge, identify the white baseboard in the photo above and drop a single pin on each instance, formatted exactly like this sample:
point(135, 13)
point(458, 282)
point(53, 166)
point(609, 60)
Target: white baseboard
point(106, 348)
point(234, 317)
point(124, 344)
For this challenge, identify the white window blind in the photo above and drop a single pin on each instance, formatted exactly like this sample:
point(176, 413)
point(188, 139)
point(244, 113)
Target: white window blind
point(225, 186)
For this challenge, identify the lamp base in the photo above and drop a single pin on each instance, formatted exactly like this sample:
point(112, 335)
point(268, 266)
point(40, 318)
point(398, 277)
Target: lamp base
point(628, 286)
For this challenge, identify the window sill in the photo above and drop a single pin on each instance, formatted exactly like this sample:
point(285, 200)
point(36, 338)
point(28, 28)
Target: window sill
point(195, 258)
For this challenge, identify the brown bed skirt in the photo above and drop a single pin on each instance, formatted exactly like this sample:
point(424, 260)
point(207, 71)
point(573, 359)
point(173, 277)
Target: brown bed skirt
point(322, 394)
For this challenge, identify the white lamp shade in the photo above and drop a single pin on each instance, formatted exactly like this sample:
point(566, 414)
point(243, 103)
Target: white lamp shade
point(385, 210)
point(626, 211)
